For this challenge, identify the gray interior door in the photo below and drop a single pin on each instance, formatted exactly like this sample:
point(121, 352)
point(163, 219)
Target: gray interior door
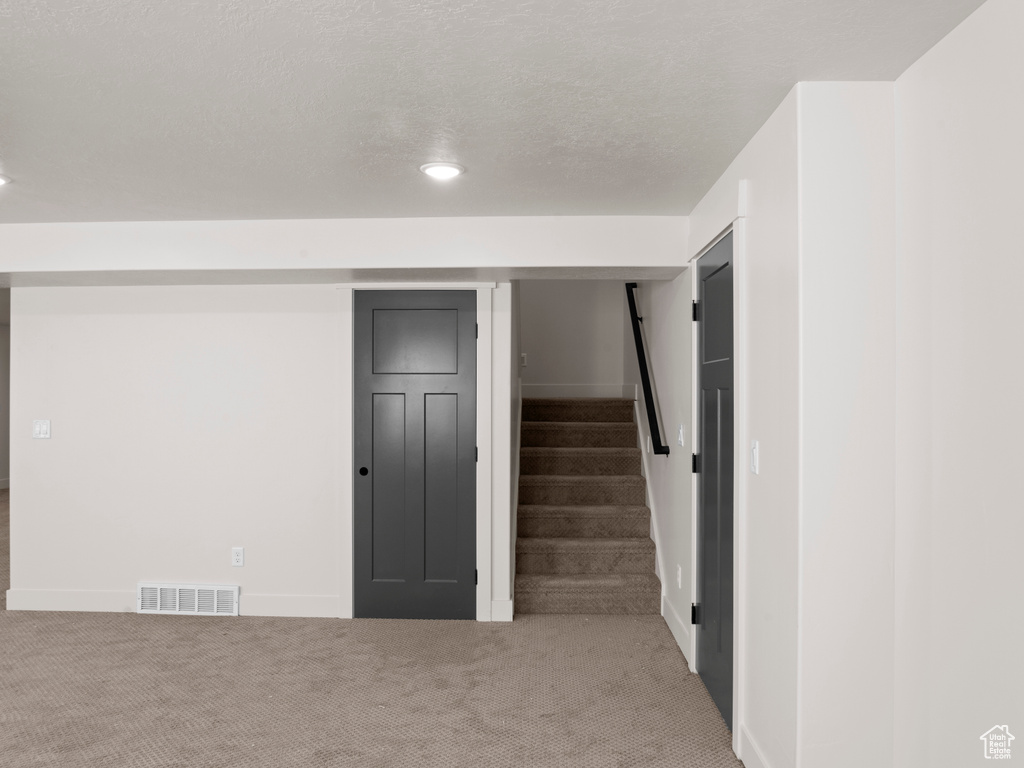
point(715, 514)
point(415, 454)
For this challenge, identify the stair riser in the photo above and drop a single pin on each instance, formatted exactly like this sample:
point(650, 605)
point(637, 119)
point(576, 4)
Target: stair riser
point(557, 527)
point(581, 494)
point(606, 602)
point(575, 436)
point(578, 412)
point(579, 465)
point(584, 562)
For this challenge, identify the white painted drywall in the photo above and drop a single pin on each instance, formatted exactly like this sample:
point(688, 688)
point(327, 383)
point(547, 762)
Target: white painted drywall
point(847, 413)
point(185, 421)
point(665, 308)
point(502, 393)
point(959, 527)
point(573, 338)
point(769, 277)
point(188, 420)
point(849, 634)
point(515, 422)
point(812, 201)
point(5, 387)
point(379, 245)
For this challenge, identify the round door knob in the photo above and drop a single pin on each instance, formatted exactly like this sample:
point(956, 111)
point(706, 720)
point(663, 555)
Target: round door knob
point(364, 471)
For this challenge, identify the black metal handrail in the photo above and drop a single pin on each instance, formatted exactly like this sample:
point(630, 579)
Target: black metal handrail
point(645, 376)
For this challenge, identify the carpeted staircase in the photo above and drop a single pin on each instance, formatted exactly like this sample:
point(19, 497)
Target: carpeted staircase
point(584, 541)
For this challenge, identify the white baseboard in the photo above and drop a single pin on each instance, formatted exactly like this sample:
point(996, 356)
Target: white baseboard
point(299, 606)
point(680, 629)
point(752, 755)
point(109, 601)
point(501, 610)
point(580, 390)
point(118, 601)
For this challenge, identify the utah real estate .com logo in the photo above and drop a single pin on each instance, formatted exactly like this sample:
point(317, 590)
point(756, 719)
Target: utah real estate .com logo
point(996, 741)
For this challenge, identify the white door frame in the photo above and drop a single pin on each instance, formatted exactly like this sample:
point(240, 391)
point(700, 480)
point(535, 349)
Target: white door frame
point(493, 548)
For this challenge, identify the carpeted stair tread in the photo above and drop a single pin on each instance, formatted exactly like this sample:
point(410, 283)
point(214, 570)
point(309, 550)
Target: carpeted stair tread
point(585, 581)
point(600, 510)
point(568, 434)
point(552, 544)
point(634, 481)
point(624, 594)
point(582, 489)
point(553, 460)
point(584, 555)
point(560, 521)
point(578, 409)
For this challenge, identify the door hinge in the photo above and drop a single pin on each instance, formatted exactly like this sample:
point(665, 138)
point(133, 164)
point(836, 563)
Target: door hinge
point(696, 463)
point(694, 614)
point(476, 577)
point(696, 310)
point(477, 454)
point(477, 330)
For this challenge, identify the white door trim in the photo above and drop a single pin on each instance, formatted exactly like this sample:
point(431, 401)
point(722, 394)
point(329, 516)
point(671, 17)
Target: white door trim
point(484, 433)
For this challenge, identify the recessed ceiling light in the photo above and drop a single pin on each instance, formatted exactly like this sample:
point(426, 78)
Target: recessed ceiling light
point(4, 180)
point(442, 171)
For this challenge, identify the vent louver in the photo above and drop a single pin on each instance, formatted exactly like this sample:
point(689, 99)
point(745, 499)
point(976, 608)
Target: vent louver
point(188, 599)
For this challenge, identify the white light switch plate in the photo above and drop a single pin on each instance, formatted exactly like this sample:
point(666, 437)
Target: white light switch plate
point(681, 439)
point(755, 457)
point(41, 429)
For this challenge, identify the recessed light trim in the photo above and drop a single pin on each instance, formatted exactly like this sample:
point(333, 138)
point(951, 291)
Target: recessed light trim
point(442, 171)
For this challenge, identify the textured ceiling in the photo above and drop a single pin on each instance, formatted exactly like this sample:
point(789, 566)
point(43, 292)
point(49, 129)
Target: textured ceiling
point(250, 109)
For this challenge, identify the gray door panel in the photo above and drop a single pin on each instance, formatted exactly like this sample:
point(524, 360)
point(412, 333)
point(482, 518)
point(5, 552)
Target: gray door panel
point(715, 513)
point(415, 454)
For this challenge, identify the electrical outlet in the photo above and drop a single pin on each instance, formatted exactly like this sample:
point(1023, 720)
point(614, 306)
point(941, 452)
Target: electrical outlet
point(522, 360)
point(679, 576)
point(237, 556)
point(681, 439)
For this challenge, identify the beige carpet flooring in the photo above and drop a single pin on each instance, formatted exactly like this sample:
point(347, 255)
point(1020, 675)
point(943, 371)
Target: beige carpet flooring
point(90, 690)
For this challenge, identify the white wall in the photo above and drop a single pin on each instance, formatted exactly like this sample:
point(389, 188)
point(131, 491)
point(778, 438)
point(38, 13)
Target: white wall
point(515, 426)
point(847, 417)
point(187, 420)
point(376, 246)
point(5, 411)
point(665, 308)
point(572, 334)
point(811, 203)
point(959, 527)
point(866, 330)
point(768, 386)
point(502, 438)
point(5, 386)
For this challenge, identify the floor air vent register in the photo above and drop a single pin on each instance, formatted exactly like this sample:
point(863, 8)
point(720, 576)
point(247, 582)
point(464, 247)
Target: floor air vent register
point(187, 599)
